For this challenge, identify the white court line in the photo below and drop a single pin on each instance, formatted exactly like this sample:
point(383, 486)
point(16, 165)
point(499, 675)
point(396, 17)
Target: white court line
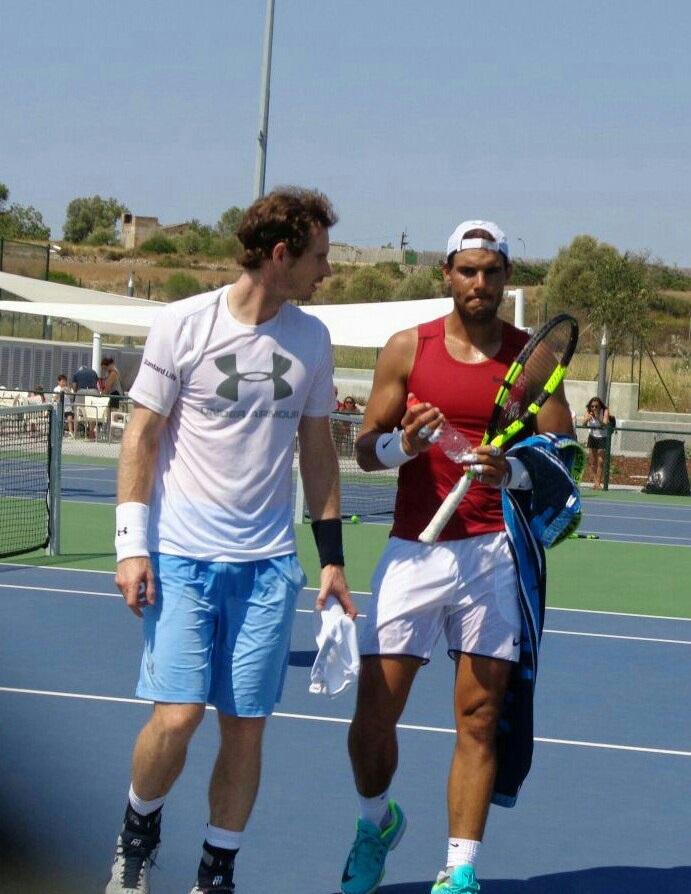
point(597, 611)
point(315, 717)
point(110, 503)
point(59, 567)
point(623, 504)
point(582, 611)
point(661, 538)
point(309, 611)
point(624, 517)
point(76, 473)
point(643, 639)
point(64, 592)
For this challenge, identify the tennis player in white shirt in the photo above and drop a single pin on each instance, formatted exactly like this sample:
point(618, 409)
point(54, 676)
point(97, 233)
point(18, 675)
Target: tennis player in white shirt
point(205, 542)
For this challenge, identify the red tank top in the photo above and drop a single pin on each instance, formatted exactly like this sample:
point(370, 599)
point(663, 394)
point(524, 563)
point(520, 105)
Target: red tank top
point(465, 393)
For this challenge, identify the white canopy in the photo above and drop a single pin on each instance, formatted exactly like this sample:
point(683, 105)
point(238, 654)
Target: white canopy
point(352, 325)
point(104, 318)
point(57, 293)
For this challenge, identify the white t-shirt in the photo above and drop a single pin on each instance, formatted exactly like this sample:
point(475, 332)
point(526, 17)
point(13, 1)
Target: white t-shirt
point(233, 395)
point(60, 389)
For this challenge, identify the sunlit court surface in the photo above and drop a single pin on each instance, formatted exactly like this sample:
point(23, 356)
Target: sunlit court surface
point(604, 809)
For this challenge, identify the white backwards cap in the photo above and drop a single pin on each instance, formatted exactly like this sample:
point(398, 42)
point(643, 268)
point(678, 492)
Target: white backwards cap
point(458, 242)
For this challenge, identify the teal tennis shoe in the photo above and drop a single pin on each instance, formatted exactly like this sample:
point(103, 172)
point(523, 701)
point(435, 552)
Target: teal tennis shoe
point(364, 868)
point(461, 881)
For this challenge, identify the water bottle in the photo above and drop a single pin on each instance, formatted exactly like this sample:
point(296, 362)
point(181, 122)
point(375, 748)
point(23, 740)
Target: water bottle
point(449, 439)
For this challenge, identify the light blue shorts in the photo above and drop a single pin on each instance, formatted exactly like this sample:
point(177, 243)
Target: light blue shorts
point(219, 632)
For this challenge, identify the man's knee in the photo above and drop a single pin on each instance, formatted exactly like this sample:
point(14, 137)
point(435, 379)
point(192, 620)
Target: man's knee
point(478, 722)
point(177, 721)
point(383, 690)
point(240, 734)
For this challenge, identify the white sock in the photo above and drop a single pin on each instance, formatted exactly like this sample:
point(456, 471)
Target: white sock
point(144, 808)
point(462, 851)
point(374, 809)
point(223, 838)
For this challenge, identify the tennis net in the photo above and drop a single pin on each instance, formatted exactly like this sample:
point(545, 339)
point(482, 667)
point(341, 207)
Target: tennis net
point(27, 507)
point(364, 494)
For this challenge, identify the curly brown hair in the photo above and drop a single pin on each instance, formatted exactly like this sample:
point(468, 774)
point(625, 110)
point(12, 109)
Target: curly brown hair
point(287, 214)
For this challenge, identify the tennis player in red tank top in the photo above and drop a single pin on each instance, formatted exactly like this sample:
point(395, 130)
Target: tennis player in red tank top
point(464, 585)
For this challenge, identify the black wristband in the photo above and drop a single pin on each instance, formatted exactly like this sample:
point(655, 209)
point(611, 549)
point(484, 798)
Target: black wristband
point(328, 535)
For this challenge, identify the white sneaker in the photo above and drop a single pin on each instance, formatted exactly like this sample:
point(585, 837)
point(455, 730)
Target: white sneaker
point(135, 854)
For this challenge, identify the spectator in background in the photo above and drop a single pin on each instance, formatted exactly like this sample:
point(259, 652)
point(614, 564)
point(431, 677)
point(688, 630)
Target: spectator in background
point(596, 420)
point(344, 433)
point(36, 396)
point(350, 406)
point(68, 402)
point(112, 384)
point(85, 378)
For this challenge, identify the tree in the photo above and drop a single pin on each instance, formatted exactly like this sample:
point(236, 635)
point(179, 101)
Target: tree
point(229, 221)
point(84, 215)
point(613, 290)
point(19, 221)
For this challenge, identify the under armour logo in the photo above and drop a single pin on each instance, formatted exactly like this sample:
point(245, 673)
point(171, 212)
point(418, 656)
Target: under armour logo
point(122, 531)
point(229, 387)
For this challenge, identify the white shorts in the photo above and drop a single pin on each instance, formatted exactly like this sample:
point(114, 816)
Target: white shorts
point(466, 587)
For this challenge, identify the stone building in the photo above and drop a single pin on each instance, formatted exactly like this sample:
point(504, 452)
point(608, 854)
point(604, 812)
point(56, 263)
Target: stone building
point(136, 229)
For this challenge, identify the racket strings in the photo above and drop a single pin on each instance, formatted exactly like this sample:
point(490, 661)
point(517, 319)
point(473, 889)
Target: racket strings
point(538, 369)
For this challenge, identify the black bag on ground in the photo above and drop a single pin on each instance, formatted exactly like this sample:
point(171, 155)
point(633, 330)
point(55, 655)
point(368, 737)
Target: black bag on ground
point(668, 473)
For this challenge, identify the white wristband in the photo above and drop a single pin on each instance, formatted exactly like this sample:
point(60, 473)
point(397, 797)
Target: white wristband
point(131, 524)
point(517, 477)
point(389, 449)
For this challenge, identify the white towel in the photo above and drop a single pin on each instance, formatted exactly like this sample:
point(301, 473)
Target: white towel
point(337, 664)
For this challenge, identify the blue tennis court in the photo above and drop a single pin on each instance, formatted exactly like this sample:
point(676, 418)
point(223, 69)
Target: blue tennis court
point(605, 809)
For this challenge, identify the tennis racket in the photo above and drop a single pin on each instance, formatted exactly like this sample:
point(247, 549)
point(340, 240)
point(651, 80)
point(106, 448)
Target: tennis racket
point(534, 376)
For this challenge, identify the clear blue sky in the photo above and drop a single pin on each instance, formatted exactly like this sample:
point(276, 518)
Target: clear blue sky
point(552, 118)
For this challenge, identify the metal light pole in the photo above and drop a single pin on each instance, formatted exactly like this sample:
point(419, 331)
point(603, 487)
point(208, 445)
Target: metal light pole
point(518, 239)
point(128, 343)
point(602, 368)
point(263, 138)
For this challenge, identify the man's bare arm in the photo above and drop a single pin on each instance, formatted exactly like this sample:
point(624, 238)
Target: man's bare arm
point(134, 577)
point(319, 467)
point(138, 455)
point(555, 415)
point(387, 405)
point(321, 481)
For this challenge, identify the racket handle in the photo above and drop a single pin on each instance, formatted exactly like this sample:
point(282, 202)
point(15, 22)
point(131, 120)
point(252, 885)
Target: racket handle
point(446, 510)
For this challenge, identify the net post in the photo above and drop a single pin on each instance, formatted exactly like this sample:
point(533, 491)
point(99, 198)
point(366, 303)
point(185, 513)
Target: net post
point(608, 457)
point(299, 507)
point(54, 476)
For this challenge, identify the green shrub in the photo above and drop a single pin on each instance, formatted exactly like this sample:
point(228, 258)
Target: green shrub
point(420, 284)
point(224, 247)
point(65, 279)
point(369, 284)
point(390, 268)
point(181, 285)
point(101, 236)
point(159, 244)
point(191, 242)
point(332, 290)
